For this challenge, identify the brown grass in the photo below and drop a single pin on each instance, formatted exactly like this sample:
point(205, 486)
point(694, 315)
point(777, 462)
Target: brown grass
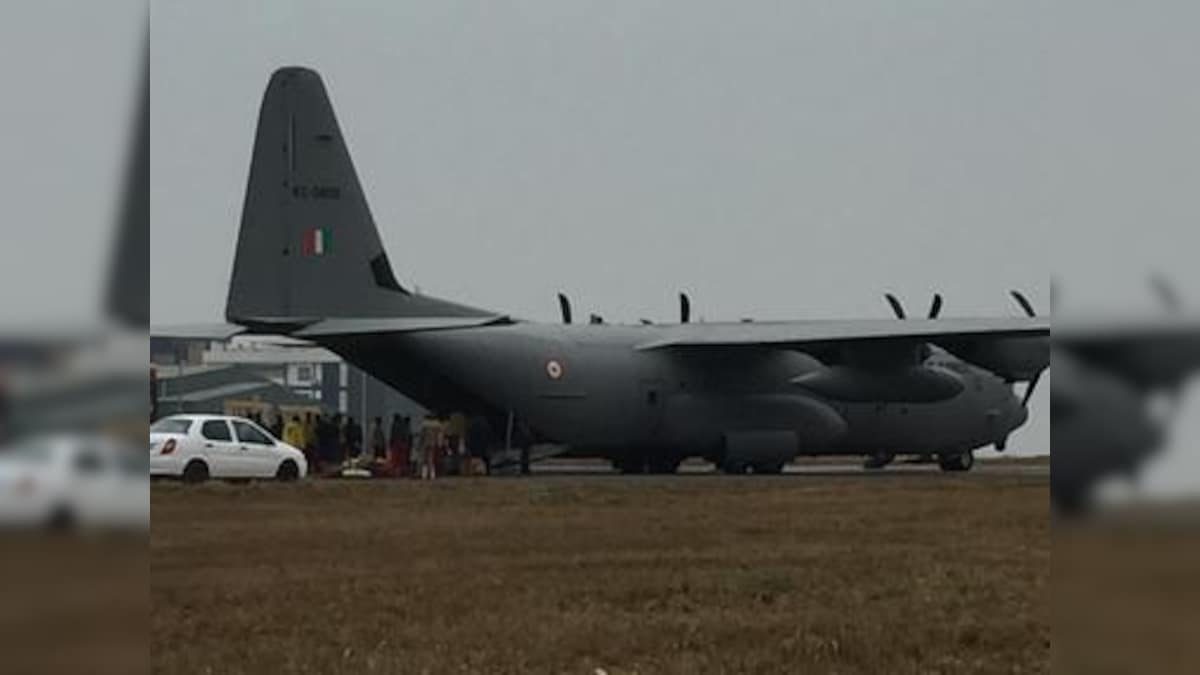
point(1126, 591)
point(698, 574)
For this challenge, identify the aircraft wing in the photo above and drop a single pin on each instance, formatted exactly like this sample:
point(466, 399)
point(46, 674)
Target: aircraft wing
point(1127, 332)
point(1149, 353)
point(831, 333)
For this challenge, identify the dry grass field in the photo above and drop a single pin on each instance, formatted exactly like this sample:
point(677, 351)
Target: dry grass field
point(694, 574)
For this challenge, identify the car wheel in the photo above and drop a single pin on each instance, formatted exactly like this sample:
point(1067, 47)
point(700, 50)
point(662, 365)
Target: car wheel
point(196, 471)
point(288, 472)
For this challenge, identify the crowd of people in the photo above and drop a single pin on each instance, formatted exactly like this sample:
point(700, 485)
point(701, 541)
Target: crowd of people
point(335, 444)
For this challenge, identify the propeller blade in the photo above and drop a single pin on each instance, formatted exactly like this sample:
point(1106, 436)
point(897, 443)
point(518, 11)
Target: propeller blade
point(897, 308)
point(935, 307)
point(595, 319)
point(1030, 388)
point(564, 307)
point(685, 308)
point(1166, 293)
point(646, 322)
point(1023, 301)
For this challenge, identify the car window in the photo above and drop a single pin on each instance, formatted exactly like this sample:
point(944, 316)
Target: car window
point(171, 425)
point(216, 430)
point(248, 433)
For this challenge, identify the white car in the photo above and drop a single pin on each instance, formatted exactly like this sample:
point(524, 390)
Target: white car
point(68, 481)
point(195, 448)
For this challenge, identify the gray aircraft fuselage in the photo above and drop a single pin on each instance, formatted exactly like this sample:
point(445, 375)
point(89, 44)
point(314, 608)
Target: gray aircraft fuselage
point(587, 387)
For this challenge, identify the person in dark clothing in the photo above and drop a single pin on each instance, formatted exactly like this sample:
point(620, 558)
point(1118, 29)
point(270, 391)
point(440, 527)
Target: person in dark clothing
point(338, 431)
point(327, 443)
point(479, 436)
point(398, 446)
point(354, 438)
point(397, 451)
point(378, 440)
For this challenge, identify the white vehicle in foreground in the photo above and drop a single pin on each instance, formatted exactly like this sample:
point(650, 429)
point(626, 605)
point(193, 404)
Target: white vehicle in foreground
point(195, 448)
point(73, 481)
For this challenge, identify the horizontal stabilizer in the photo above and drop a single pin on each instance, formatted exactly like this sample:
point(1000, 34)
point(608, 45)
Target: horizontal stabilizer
point(198, 331)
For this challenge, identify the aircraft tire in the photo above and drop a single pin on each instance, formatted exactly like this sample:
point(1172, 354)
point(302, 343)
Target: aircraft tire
point(631, 466)
point(768, 468)
point(878, 460)
point(1070, 500)
point(666, 465)
point(958, 462)
point(734, 468)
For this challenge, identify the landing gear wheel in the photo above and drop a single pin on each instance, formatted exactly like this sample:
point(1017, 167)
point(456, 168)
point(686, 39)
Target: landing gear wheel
point(664, 465)
point(962, 461)
point(768, 468)
point(195, 472)
point(734, 468)
point(1070, 500)
point(878, 460)
point(631, 465)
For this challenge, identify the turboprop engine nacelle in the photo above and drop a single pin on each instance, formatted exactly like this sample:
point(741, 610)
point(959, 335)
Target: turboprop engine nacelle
point(909, 384)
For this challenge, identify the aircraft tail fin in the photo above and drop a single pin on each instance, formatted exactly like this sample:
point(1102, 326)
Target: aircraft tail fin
point(308, 248)
point(127, 297)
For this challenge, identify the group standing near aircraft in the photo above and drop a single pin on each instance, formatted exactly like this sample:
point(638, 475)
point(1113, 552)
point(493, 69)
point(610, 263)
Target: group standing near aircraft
point(749, 396)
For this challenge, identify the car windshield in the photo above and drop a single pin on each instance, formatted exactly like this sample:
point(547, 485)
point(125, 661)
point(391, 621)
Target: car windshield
point(171, 425)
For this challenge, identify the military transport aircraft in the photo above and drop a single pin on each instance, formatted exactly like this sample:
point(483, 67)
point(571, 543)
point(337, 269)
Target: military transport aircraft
point(749, 396)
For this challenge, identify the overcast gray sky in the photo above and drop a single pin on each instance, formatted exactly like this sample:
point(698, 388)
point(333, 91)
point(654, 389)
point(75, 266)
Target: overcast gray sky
point(70, 75)
point(777, 160)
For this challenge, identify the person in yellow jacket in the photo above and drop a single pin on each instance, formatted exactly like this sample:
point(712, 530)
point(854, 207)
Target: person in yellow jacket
point(293, 433)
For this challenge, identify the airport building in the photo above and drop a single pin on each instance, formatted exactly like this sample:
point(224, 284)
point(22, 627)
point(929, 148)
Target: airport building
point(248, 373)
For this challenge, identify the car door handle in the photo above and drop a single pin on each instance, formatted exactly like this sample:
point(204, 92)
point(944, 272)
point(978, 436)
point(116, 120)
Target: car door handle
point(208, 445)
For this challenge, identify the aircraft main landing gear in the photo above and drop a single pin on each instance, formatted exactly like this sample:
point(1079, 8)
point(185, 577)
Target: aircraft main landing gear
point(878, 460)
point(662, 465)
point(638, 464)
point(962, 461)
